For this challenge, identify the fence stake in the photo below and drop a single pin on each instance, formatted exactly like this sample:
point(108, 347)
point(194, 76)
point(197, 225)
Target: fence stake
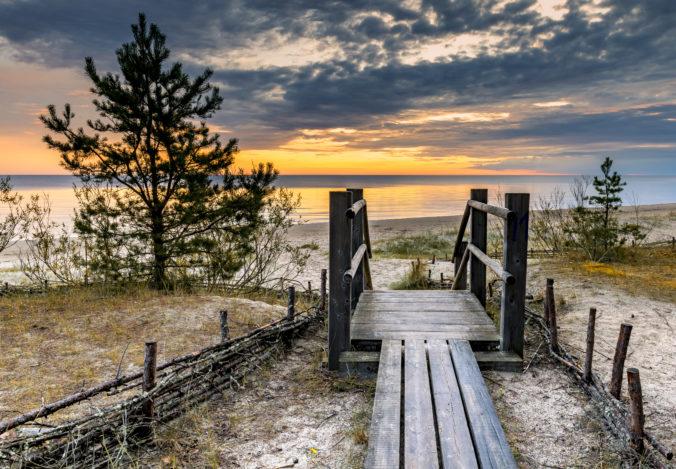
point(637, 416)
point(442, 278)
point(322, 298)
point(548, 292)
point(309, 291)
point(434, 258)
point(478, 227)
point(590, 345)
point(340, 256)
point(551, 307)
point(149, 382)
point(291, 307)
point(514, 261)
point(225, 330)
point(618, 360)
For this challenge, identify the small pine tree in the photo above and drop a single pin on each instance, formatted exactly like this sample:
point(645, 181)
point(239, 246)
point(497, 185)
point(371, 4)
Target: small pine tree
point(152, 150)
point(595, 229)
point(607, 198)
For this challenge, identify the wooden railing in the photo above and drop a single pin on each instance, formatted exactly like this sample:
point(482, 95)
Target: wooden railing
point(349, 270)
point(513, 269)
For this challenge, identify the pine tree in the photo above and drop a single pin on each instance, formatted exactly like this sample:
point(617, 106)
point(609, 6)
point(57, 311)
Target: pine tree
point(607, 198)
point(595, 229)
point(152, 148)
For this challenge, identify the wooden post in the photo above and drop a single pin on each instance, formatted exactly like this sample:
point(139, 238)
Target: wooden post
point(225, 329)
point(456, 266)
point(442, 279)
point(514, 261)
point(322, 297)
point(551, 307)
point(590, 345)
point(291, 305)
point(149, 382)
point(340, 257)
point(357, 284)
point(309, 291)
point(478, 233)
point(434, 258)
point(429, 274)
point(618, 360)
point(548, 292)
point(637, 416)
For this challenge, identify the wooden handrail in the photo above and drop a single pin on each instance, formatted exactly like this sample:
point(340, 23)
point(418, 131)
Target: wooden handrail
point(367, 235)
point(461, 270)
point(491, 264)
point(354, 265)
point(461, 232)
point(501, 212)
point(492, 209)
point(356, 207)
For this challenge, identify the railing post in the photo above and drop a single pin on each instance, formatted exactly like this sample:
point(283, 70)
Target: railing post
point(340, 256)
point(357, 240)
point(478, 233)
point(514, 261)
point(462, 281)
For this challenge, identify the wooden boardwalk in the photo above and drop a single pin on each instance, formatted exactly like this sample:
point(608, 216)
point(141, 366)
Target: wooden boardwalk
point(432, 408)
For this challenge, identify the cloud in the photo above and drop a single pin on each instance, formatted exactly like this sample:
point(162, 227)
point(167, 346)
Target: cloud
point(288, 66)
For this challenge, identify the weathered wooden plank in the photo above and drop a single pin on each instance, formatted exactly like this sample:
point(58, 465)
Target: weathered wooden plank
point(383, 449)
point(492, 338)
point(420, 442)
point(422, 327)
point(406, 317)
point(405, 306)
point(498, 361)
point(490, 443)
point(457, 449)
point(421, 293)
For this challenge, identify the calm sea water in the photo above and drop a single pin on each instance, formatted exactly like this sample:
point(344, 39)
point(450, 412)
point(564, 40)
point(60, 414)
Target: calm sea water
point(389, 196)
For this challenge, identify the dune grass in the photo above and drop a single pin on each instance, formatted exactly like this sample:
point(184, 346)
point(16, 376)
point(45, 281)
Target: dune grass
point(57, 344)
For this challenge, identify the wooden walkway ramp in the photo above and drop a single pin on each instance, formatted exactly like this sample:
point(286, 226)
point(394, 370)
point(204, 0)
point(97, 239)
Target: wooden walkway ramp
point(432, 408)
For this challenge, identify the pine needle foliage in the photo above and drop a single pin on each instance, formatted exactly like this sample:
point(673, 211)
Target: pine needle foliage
point(153, 156)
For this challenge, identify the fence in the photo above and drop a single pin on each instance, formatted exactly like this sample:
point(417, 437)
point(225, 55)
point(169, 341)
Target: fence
point(103, 437)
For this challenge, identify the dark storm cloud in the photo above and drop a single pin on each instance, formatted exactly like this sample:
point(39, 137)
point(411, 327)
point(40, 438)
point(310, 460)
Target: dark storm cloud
point(367, 79)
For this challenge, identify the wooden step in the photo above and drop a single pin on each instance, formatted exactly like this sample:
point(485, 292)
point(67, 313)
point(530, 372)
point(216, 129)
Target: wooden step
point(359, 363)
point(499, 361)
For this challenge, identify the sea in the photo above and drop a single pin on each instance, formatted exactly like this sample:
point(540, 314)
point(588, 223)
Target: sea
point(389, 197)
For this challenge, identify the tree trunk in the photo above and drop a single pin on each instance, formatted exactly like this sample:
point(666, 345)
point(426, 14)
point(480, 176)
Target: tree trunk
point(160, 256)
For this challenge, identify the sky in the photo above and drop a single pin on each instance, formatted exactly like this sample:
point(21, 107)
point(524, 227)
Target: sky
point(375, 87)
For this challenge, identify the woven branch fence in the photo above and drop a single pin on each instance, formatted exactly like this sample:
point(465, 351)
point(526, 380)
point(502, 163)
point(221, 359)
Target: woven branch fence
point(106, 436)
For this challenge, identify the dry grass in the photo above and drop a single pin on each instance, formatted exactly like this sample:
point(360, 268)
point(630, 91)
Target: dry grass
point(57, 344)
point(642, 271)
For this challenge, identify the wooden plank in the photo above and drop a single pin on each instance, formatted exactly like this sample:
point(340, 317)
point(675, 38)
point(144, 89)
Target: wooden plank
point(421, 327)
point(421, 293)
point(457, 449)
point(383, 449)
point(498, 361)
point(409, 318)
point(478, 234)
point(420, 307)
point(490, 443)
point(340, 255)
point(493, 338)
point(514, 258)
point(420, 442)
